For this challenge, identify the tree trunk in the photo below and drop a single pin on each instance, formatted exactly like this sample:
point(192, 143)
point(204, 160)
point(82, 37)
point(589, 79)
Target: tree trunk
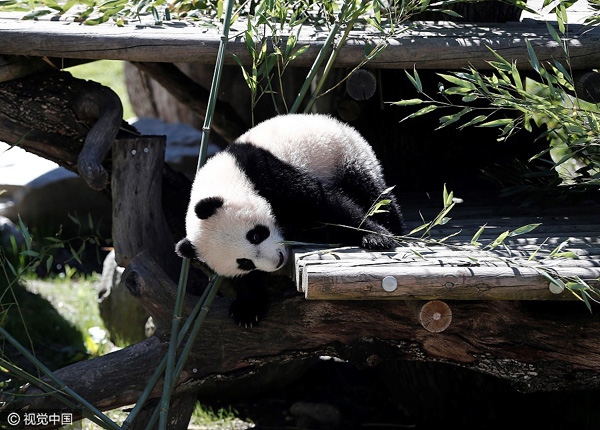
point(557, 350)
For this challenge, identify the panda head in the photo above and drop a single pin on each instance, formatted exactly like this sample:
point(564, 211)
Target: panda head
point(233, 237)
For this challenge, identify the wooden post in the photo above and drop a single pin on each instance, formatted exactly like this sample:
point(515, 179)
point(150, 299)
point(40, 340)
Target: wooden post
point(138, 220)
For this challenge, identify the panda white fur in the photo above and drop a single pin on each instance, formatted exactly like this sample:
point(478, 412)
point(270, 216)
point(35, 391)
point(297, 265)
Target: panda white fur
point(288, 178)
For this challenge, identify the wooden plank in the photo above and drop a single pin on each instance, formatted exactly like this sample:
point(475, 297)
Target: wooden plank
point(428, 45)
point(328, 282)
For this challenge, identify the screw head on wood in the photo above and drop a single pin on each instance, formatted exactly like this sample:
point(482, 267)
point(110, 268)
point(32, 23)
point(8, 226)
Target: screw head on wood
point(389, 284)
point(556, 289)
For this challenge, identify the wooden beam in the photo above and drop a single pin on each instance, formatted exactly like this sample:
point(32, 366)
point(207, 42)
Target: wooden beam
point(428, 45)
point(419, 273)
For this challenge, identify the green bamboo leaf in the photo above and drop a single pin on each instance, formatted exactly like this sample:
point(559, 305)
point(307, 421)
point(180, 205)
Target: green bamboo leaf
point(418, 229)
point(423, 111)
point(550, 278)
point(532, 256)
point(75, 255)
point(517, 77)
point(52, 4)
point(415, 80)
point(408, 102)
point(299, 52)
point(558, 248)
point(11, 267)
point(463, 83)
point(525, 229)
point(477, 235)
point(532, 57)
point(37, 13)
point(566, 254)
point(496, 123)
point(553, 33)
point(499, 240)
point(450, 119)
point(503, 65)
point(451, 13)
point(450, 236)
point(156, 16)
point(25, 234)
point(74, 219)
point(476, 120)
point(49, 262)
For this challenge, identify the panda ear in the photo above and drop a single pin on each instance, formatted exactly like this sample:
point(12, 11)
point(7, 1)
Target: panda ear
point(185, 249)
point(207, 207)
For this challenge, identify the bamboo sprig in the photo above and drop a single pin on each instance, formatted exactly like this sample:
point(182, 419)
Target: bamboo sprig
point(52, 391)
point(62, 387)
point(321, 57)
point(162, 365)
point(172, 351)
point(209, 295)
point(170, 376)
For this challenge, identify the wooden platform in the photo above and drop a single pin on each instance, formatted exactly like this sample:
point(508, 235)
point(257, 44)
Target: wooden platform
point(426, 45)
point(418, 271)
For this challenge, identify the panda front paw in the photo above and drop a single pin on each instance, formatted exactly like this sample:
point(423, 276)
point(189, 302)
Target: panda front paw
point(247, 311)
point(376, 241)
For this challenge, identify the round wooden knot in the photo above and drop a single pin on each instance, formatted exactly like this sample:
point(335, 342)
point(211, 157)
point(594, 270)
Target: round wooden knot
point(361, 85)
point(435, 316)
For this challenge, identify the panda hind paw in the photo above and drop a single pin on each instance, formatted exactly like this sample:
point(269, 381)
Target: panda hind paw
point(376, 241)
point(246, 312)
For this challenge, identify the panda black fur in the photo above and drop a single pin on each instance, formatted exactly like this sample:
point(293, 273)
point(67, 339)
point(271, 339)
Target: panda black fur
point(288, 178)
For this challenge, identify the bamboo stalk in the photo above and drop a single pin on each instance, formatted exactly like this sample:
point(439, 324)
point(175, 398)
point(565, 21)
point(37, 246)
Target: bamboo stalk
point(109, 424)
point(212, 99)
point(328, 67)
point(162, 365)
point(21, 374)
point(211, 291)
point(171, 353)
point(319, 60)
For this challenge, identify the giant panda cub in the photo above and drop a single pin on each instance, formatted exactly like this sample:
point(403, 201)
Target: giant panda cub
point(296, 177)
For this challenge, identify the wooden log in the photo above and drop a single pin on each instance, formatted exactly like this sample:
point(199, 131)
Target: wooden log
point(330, 282)
point(587, 86)
point(428, 45)
point(435, 315)
point(16, 66)
point(226, 122)
point(101, 107)
point(556, 350)
point(138, 221)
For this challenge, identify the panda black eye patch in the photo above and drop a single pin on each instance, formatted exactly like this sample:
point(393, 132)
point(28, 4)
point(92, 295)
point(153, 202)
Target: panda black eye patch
point(245, 264)
point(258, 234)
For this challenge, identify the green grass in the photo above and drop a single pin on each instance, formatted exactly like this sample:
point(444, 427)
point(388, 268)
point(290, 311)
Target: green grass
point(203, 418)
point(75, 300)
point(108, 73)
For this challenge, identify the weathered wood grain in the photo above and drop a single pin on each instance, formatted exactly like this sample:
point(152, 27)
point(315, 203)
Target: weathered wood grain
point(437, 272)
point(138, 222)
point(324, 282)
point(428, 45)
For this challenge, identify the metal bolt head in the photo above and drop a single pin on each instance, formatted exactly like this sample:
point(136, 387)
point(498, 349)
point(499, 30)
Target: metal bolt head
point(389, 284)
